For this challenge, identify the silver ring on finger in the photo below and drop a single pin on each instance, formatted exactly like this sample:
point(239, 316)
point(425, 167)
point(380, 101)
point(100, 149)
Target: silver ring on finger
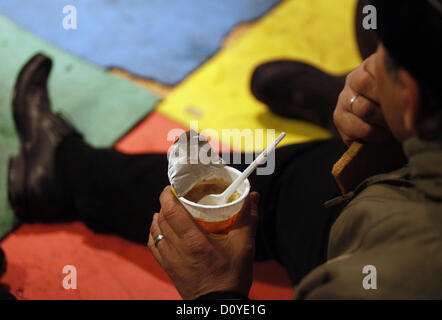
point(158, 239)
point(352, 100)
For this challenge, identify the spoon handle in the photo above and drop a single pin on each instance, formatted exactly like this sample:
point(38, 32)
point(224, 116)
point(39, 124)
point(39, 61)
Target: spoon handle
point(246, 173)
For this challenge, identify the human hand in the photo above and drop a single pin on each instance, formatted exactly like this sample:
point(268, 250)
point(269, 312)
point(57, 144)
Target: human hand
point(361, 120)
point(199, 262)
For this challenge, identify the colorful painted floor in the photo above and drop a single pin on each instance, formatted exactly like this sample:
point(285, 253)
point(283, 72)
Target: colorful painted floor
point(217, 95)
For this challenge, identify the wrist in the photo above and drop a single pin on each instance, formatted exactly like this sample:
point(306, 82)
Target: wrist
point(223, 295)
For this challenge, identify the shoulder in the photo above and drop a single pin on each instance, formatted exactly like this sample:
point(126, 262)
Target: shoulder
point(384, 213)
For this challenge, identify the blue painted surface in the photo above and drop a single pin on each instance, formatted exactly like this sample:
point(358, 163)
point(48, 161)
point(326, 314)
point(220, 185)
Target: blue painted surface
point(164, 40)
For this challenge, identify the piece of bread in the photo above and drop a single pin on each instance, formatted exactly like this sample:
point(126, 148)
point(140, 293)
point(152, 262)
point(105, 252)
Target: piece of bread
point(362, 161)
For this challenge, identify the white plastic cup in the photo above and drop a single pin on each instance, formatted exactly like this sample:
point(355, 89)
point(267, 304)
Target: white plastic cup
point(220, 218)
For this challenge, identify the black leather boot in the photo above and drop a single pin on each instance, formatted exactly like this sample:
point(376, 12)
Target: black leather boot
point(2, 262)
point(297, 90)
point(4, 291)
point(34, 189)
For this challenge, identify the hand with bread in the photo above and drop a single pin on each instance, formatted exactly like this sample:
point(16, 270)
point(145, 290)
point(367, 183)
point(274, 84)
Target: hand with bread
point(358, 116)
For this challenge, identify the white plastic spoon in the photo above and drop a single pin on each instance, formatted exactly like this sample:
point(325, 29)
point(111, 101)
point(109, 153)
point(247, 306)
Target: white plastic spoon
point(222, 198)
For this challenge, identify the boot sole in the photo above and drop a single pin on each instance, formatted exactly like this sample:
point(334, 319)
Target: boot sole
point(16, 185)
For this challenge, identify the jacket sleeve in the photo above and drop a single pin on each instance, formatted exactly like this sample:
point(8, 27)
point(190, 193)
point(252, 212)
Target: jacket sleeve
point(403, 270)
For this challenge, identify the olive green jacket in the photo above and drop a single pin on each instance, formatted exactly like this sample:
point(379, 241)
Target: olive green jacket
point(392, 223)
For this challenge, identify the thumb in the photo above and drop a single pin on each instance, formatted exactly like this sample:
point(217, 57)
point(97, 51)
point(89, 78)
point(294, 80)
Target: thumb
point(248, 216)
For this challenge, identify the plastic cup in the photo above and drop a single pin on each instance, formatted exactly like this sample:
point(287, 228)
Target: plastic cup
point(219, 219)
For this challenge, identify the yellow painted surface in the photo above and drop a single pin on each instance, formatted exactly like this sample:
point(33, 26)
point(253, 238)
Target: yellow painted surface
point(319, 32)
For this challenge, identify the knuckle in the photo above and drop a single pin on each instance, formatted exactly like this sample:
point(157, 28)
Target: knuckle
point(162, 195)
point(165, 196)
point(365, 81)
point(336, 111)
point(340, 97)
point(337, 118)
point(150, 245)
point(153, 230)
point(362, 83)
point(152, 225)
point(161, 219)
point(171, 212)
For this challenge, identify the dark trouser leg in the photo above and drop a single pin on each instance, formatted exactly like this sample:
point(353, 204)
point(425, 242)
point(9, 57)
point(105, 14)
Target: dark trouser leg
point(297, 90)
point(367, 39)
point(118, 193)
point(111, 191)
point(5, 295)
point(302, 223)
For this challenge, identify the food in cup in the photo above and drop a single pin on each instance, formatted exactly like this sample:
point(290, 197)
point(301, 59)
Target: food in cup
point(218, 219)
point(215, 215)
point(212, 186)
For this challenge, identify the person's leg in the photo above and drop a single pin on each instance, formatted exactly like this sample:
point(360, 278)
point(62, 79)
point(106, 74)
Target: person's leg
point(294, 89)
point(302, 224)
point(118, 193)
point(110, 191)
point(297, 90)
